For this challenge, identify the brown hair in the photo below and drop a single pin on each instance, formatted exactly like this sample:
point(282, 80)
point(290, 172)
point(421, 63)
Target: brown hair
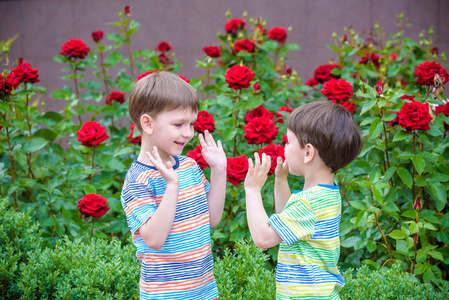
point(160, 91)
point(330, 128)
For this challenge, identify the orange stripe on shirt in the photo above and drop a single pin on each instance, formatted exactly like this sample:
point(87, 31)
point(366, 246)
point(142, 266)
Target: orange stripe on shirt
point(181, 285)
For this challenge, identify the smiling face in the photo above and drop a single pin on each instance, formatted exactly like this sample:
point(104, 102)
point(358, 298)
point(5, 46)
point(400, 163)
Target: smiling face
point(171, 131)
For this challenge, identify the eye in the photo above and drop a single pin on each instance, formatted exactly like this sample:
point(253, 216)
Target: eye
point(191, 124)
point(178, 125)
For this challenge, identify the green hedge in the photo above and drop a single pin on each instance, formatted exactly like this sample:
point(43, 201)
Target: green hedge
point(108, 270)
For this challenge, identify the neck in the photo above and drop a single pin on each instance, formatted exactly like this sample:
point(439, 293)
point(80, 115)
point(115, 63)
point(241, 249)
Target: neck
point(148, 147)
point(320, 176)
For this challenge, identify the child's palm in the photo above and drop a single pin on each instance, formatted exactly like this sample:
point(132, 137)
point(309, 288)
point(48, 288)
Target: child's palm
point(212, 152)
point(166, 169)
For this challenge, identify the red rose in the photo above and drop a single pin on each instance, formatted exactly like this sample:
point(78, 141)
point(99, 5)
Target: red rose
point(11, 82)
point(273, 151)
point(256, 87)
point(198, 157)
point(380, 87)
point(406, 97)
point(394, 122)
point(261, 29)
point(92, 133)
point(164, 46)
point(417, 205)
point(235, 24)
point(93, 205)
point(414, 116)
point(115, 96)
point(97, 35)
point(184, 78)
point(279, 116)
point(285, 70)
point(236, 169)
point(323, 72)
point(260, 130)
point(370, 57)
point(278, 33)
point(312, 82)
point(337, 90)
point(164, 59)
point(443, 109)
point(132, 139)
point(239, 77)
point(205, 121)
point(145, 74)
point(25, 73)
point(126, 10)
point(392, 56)
point(75, 48)
point(426, 72)
point(259, 112)
point(245, 45)
point(212, 51)
point(434, 51)
point(349, 106)
point(284, 140)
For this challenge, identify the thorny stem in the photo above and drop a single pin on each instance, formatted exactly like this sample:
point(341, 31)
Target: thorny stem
point(77, 91)
point(129, 51)
point(343, 190)
point(235, 125)
point(93, 165)
point(103, 71)
point(11, 161)
point(208, 81)
point(378, 226)
point(30, 171)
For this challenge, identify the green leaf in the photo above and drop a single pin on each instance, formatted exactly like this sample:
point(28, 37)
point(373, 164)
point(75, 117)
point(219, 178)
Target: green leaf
point(420, 268)
point(60, 94)
point(124, 150)
point(400, 135)
point(371, 246)
point(401, 247)
point(362, 218)
point(34, 145)
point(439, 194)
point(360, 205)
point(90, 189)
point(51, 118)
point(414, 228)
point(46, 133)
point(436, 255)
point(350, 241)
point(405, 176)
point(428, 275)
point(92, 85)
point(397, 234)
point(419, 164)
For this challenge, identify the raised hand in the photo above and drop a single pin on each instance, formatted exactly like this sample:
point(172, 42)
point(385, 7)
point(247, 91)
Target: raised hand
point(257, 173)
point(212, 152)
point(281, 170)
point(166, 169)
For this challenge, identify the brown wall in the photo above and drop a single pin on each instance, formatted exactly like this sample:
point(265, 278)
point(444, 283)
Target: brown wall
point(44, 25)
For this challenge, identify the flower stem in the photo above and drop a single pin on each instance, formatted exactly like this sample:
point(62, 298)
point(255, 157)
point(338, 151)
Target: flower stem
point(380, 228)
point(236, 115)
point(30, 171)
point(77, 91)
point(11, 161)
point(103, 71)
point(93, 165)
point(208, 81)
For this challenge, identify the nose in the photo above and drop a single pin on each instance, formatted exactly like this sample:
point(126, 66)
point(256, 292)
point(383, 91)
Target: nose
point(188, 132)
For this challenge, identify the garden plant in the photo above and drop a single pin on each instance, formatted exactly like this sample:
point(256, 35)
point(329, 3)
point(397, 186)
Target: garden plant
point(65, 169)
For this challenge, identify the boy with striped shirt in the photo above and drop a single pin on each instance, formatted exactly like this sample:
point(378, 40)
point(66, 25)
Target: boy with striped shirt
point(322, 138)
point(169, 204)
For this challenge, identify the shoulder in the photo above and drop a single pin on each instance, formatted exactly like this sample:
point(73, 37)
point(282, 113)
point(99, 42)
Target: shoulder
point(139, 173)
point(187, 162)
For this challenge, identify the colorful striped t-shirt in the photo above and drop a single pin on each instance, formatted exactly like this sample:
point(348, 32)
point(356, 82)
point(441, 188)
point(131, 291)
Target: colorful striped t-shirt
point(308, 255)
point(183, 267)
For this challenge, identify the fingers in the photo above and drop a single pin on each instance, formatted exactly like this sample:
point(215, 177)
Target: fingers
point(262, 163)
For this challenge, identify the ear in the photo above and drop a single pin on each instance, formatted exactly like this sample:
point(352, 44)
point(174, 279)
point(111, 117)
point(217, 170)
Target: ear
point(310, 153)
point(146, 122)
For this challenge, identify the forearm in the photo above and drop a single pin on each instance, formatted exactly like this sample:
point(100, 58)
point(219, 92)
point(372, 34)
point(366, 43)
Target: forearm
point(156, 230)
point(281, 193)
point(216, 196)
point(262, 233)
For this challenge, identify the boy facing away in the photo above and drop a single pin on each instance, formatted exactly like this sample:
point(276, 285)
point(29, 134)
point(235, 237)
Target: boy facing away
point(169, 204)
point(322, 138)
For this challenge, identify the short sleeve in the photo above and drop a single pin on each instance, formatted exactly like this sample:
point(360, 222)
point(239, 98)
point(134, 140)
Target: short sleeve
point(295, 222)
point(139, 203)
point(202, 177)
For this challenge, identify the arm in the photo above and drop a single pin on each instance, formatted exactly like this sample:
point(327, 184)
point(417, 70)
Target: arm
point(155, 230)
point(263, 234)
point(281, 188)
point(214, 155)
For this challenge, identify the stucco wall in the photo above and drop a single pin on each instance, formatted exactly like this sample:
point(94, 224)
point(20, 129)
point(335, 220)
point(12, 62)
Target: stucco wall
point(44, 25)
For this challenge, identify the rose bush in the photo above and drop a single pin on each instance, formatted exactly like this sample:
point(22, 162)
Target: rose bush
point(394, 205)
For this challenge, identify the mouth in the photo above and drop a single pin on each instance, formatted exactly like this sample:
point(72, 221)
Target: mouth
point(180, 144)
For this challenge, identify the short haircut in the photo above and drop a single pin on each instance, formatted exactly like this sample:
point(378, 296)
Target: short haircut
point(330, 128)
point(161, 91)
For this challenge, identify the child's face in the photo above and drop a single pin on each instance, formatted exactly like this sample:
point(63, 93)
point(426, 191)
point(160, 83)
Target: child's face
point(294, 154)
point(172, 130)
